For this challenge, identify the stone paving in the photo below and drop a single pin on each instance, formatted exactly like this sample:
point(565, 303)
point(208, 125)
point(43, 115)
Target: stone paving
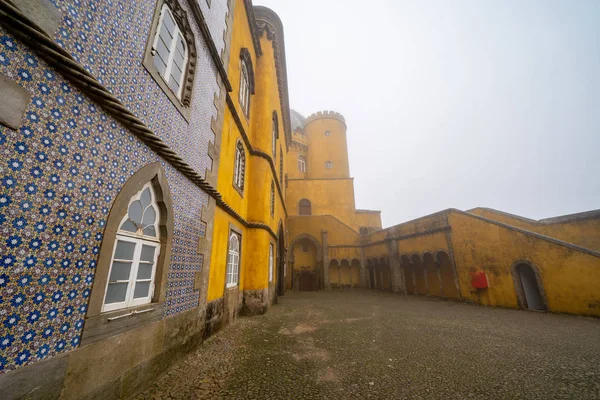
point(371, 345)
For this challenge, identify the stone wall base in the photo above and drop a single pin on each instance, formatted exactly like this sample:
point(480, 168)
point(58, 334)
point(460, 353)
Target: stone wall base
point(119, 366)
point(256, 302)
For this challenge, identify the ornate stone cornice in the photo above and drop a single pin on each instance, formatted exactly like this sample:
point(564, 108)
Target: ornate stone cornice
point(269, 22)
point(252, 25)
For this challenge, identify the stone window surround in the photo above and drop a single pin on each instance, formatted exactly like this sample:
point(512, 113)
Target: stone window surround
point(183, 105)
point(239, 188)
point(233, 229)
point(246, 60)
point(97, 324)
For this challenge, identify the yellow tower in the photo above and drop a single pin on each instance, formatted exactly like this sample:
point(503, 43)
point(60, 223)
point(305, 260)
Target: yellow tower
point(327, 146)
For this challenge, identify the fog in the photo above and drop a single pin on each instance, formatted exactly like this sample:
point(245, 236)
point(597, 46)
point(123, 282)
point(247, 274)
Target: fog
point(461, 104)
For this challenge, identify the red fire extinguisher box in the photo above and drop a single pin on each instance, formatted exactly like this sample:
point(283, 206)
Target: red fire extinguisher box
point(479, 280)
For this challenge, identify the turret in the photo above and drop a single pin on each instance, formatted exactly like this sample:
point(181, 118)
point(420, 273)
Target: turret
point(327, 146)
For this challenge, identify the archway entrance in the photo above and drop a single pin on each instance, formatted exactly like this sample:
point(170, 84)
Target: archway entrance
point(280, 262)
point(528, 287)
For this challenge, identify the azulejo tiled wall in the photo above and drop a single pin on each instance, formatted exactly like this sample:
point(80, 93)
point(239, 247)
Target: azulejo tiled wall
point(61, 171)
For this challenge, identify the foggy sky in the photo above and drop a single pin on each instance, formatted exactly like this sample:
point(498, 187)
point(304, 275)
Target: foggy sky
point(462, 103)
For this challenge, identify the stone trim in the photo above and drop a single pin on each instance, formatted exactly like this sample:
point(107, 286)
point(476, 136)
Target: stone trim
point(183, 104)
point(267, 20)
point(520, 292)
point(251, 24)
point(13, 102)
point(247, 59)
point(256, 152)
point(218, 61)
point(97, 325)
point(307, 237)
point(29, 33)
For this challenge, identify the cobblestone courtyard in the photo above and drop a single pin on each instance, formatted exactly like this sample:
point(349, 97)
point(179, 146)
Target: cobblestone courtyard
point(345, 345)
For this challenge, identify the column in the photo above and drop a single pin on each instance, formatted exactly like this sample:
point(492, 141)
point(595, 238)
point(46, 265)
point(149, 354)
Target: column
point(395, 269)
point(326, 282)
point(351, 285)
point(364, 280)
point(426, 280)
point(439, 275)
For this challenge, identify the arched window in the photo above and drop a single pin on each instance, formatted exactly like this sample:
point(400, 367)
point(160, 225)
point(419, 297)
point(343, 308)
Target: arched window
point(239, 167)
point(304, 207)
point(246, 81)
point(233, 260)
point(170, 51)
point(280, 167)
point(301, 164)
point(137, 246)
point(272, 198)
point(275, 134)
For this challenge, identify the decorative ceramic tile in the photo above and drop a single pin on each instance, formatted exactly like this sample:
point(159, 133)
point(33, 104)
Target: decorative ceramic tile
point(61, 171)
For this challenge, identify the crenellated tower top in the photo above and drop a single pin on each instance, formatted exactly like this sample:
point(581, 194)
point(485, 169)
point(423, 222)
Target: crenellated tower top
point(325, 114)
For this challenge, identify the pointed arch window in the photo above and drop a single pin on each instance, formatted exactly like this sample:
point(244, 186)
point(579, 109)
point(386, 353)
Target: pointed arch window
point(304, 207)
point(274, 134)
point(170, 55)
point(280, 167)
point(137, 246)
point(272, 198)
point(301, 164)
point(239, 167)
point(246, 81)
point(233, 260)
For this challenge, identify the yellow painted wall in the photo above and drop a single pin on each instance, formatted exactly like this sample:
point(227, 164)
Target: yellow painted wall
point(584, 233)
point(571, 278)
point(332, 148)
point(254, 204)
point(305, 259)
point(337, 232)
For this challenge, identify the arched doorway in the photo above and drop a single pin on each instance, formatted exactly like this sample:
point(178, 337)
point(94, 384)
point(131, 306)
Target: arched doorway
point(355, 273)
point(408, 274)
point(370, 268)
point(305, 261)
point(419, 272)
point(528, 284)
point(334, 273)
point(345, 274)
point(433, 283)
point(447, 275)
point(280, 261)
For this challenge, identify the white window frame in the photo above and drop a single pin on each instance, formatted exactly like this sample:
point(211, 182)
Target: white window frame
point(271, 254)
point(139, 241)
point(245, 89)
point(172, 48)
point(232, 273)
point(239, 166)
point(301, 164)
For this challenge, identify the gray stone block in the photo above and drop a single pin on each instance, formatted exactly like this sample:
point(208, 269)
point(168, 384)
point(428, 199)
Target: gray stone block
point(13, 102)
point(42, 380)
point(42, 12)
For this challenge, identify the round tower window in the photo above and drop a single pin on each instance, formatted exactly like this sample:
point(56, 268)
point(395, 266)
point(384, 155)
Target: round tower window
point(327, 133)
point(328, 165)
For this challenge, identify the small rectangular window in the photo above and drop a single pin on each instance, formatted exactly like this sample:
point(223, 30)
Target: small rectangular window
point(304, 247)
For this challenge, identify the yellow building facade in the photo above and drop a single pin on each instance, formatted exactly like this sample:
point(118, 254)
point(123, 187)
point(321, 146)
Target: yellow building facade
point(248, 244)
point(299, 228)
